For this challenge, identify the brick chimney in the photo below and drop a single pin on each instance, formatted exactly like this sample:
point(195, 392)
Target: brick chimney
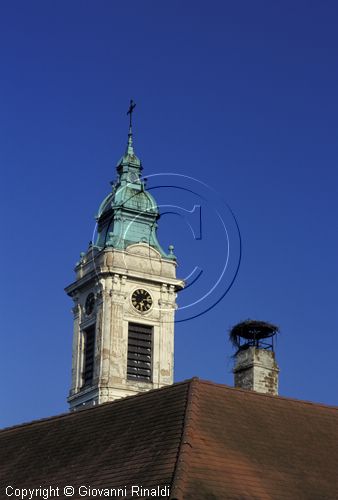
point(255, 364)
point(256, 370)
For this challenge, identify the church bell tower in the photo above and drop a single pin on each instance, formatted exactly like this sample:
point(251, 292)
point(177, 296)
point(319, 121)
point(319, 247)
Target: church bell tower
point(124, 297)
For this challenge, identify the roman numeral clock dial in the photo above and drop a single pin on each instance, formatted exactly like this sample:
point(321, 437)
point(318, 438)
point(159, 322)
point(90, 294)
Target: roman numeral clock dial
point(141, 300)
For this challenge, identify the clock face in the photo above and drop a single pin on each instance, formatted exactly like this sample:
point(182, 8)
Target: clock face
point(141, 300)
point(90, 303)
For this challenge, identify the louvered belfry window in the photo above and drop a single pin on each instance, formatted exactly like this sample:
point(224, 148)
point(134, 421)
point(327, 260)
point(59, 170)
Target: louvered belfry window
point(139, 352)
point(89, 346)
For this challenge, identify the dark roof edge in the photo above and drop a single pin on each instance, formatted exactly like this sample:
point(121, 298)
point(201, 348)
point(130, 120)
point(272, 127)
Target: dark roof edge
point(60, 416)
point(185, 446)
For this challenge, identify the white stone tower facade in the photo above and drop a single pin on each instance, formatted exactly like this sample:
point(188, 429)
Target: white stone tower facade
point(124, 298)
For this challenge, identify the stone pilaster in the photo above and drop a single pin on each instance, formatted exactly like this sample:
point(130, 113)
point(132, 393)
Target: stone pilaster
point(118, 340)
point(168, 306)
point(76, 355)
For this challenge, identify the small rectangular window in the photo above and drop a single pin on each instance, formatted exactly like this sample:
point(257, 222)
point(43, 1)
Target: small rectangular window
point(139, 352)
point(89, 347)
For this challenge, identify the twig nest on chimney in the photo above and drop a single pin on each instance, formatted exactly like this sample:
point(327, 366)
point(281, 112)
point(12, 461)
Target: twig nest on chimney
point(252, 330)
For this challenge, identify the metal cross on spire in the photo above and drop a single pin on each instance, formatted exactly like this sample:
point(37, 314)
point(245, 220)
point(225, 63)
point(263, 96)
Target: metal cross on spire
point(130, 112)
point(130, 149)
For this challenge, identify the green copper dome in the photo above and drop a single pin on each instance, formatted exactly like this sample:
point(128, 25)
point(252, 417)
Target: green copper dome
point(129, 214)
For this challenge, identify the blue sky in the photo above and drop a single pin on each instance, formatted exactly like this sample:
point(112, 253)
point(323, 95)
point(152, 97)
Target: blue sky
point(239, 95)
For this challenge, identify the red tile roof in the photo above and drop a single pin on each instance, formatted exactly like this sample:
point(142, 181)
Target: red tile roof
point(203, 440)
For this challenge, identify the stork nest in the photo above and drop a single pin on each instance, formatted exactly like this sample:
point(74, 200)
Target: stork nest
point(251, 330)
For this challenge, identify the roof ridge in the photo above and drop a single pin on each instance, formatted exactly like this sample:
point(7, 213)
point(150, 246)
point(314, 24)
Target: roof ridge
point(265, 395)
point(195, 380)
point(185, 446)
